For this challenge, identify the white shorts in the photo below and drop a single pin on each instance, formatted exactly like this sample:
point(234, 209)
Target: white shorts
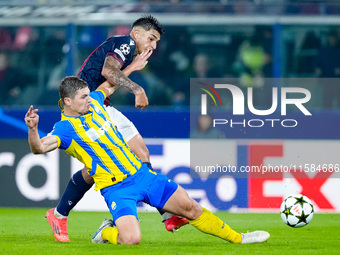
point(123, 124)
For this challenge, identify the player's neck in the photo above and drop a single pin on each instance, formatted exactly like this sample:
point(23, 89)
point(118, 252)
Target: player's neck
point(71, 113)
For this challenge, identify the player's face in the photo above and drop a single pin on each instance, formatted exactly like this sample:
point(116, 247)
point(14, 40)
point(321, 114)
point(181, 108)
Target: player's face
point(80, 104)
point(147, 40)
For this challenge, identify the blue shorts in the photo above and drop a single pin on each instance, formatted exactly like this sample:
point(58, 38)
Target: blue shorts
point(145, 185)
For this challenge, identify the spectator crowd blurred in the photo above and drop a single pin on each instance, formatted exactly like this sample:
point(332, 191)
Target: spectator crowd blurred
point(34, 59)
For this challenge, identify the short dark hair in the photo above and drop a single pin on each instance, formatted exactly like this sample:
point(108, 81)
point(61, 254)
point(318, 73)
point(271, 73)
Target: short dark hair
point(69, 87)
point(149, 22)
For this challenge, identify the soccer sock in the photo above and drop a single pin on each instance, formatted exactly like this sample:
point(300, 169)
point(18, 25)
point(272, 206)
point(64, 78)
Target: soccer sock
point(110, 234)
point(160, 211)
point(58, 215)
point(210, 224)
point(75, 190)
point(165, 215)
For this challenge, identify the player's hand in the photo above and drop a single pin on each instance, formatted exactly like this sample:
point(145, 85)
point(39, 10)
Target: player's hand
point(32, 118)
point(141, 100)
point(140, 60)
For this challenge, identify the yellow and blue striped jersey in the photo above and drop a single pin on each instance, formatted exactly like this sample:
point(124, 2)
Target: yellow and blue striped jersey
point(94, 140)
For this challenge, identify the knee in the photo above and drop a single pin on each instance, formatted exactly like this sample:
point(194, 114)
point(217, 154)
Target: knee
point(129, 239)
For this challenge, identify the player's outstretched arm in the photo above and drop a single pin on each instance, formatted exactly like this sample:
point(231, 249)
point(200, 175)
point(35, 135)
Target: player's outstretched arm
point(112, 73)
point(37, 145)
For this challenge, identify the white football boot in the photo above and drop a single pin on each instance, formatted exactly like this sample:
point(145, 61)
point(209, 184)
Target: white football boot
point(258, 236)
point(97, 237)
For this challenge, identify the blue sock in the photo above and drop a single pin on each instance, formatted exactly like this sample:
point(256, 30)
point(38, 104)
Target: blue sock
point(160, 211)
point(75, 190)
point(149, 165)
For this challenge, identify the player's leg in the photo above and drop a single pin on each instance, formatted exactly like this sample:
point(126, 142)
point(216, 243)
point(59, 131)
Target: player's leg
point(137, 145)
point(122, 202)
point(165, 193)
point(125, 231)
point(181, 204)
point(78, 185)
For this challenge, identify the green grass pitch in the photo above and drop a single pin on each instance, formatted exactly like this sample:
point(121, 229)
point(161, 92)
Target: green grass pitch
point(26, 231)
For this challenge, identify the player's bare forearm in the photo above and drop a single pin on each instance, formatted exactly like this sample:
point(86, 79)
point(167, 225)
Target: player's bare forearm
point(34, 141)
point(32, 120)
point(116, 78)
point(37, 145)
point(43, 145)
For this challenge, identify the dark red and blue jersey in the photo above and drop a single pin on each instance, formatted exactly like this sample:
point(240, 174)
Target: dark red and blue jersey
point(121, 48)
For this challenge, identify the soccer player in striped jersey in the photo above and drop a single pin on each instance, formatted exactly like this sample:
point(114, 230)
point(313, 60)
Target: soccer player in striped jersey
point(113, 61)
point(87, 133)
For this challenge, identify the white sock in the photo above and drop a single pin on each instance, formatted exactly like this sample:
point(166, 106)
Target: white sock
point(58, 215)
point(167, 215)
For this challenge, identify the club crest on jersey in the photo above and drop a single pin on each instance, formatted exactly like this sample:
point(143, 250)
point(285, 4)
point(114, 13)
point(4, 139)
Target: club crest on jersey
point(113, 205)
point(125, 49)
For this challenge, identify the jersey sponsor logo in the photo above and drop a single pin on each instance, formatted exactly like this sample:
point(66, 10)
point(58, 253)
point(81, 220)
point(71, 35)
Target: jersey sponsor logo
point(125, 48)
point(120, 54)
point(97, 109)
point(95, 134)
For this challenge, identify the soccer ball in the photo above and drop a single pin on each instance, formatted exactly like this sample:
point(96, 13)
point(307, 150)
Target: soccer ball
point(297, 211)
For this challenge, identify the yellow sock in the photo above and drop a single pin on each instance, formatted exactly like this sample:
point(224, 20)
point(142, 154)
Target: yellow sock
point(210, 224)
point(110, 234)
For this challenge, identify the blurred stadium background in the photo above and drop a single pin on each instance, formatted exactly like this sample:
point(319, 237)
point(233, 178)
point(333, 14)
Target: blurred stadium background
point(42, 41)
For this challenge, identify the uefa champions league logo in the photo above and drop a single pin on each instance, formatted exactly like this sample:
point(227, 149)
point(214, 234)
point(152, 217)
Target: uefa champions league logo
point(238, 107)
point(125, 49)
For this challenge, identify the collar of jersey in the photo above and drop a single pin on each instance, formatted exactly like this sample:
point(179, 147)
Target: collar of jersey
point(132, 39)
point(65, 117)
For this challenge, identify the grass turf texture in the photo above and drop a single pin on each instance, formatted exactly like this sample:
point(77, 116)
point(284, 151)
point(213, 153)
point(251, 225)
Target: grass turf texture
point(26, 231)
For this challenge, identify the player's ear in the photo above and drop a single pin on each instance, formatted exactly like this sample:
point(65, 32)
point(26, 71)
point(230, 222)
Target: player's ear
point(67, 101)
point(136, 33)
